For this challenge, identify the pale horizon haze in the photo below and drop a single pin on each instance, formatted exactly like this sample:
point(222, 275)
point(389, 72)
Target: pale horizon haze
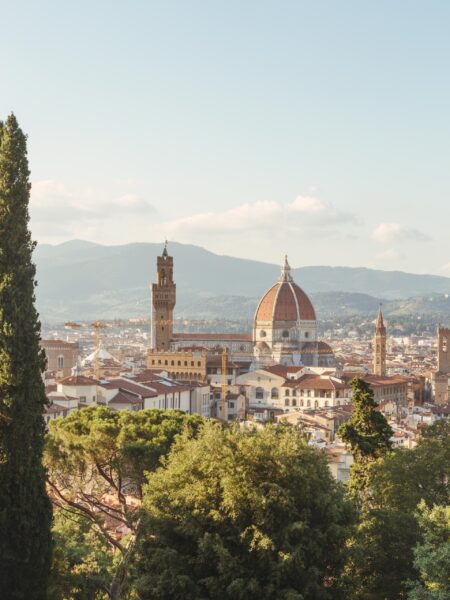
point(253, 129)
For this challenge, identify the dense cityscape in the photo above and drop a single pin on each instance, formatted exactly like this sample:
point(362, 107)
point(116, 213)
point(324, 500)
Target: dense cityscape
point(224, 300)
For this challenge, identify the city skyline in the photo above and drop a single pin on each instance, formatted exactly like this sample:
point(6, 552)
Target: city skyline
point(252, 130)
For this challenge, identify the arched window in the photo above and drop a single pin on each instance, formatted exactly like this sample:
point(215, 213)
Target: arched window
point(294, 392)
point(259, 393)
point(306, 334)
point(262, 333)
point(294, 402)
point(308, 404)
point(286, 401)
point(274, 393)
point(301, 402)
point(60, 362)
point(316, 404)
point(286, 392)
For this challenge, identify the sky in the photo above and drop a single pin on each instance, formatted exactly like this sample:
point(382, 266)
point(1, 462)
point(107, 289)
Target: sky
point(252, 128)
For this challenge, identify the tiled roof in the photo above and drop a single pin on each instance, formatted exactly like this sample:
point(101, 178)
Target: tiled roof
point(215, 337)
point(124, 398)
point(59, 344)
point(78, 380)
point(285, 301)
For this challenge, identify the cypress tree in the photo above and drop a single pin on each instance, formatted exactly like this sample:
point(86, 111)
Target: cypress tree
point(25, 510)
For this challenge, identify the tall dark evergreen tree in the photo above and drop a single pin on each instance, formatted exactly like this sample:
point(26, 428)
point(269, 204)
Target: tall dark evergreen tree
point(25, 511)
point(367, 433)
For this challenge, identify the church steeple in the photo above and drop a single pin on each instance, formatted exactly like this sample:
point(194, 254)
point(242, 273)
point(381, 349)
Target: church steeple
point(379, 346)
point(163, 302)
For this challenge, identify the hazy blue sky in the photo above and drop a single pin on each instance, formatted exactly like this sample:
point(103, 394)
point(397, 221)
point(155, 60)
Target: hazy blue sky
point(252, 128)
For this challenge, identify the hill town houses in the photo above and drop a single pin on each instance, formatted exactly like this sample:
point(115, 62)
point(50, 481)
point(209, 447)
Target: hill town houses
point(281, 371)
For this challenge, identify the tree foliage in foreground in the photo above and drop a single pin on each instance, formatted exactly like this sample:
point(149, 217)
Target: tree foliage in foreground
point(25, 511)
point(381, 554)
point(367, 433)
point(432, 555)
point(242, 515)
point(97, 460)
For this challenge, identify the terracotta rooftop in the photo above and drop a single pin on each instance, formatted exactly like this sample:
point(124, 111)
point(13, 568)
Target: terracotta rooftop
point(214, 337)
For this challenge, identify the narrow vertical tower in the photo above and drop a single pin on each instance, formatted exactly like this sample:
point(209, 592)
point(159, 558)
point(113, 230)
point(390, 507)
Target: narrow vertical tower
point(379, 346)
point(163, 302)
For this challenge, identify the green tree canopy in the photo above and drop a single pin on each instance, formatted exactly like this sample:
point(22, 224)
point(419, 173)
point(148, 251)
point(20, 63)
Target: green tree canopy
point(242, 515)
point(432, 555)
point(367, 433)
point(97, 460)
point(25, 510)
point(381, 560)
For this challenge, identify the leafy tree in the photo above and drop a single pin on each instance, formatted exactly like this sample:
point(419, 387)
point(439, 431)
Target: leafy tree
point(96, 460)
point(25, 510)
point(242, 515)
point(381, 557)
point(432, 555)
point(82, 560)
point(367, 433)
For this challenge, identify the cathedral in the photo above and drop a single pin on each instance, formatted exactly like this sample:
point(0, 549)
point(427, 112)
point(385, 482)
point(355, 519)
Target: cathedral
point(284, 330)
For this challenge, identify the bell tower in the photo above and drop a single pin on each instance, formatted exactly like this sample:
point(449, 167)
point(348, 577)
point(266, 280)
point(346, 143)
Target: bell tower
point(379, 346)
point(163, 302)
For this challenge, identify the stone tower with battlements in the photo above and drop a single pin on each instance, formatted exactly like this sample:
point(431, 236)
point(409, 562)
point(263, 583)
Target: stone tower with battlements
point(379, 346)
point(163, 302)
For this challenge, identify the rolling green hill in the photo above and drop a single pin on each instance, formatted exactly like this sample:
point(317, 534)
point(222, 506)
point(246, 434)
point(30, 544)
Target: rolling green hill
point(81, 280)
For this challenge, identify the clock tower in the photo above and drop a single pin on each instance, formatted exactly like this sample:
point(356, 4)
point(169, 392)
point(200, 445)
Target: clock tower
point(163, 302)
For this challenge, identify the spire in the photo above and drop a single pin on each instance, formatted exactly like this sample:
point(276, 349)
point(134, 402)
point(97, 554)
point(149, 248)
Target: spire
point(380, 323)
point(165, 253)
point(286, 270)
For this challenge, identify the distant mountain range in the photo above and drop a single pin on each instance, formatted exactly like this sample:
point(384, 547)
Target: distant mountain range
point(83, 280)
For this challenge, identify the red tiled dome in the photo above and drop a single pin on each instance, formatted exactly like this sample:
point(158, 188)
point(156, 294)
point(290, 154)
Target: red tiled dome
point(285, 301)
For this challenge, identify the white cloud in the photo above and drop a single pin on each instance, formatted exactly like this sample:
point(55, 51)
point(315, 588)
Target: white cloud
point(56, 209)
point(395, 232)
point(304, 215)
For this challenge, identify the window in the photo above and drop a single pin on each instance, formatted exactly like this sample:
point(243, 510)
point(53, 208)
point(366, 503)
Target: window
point(172, 363)
point(274, 393)
point(316, 404)
point(286, 401)
point(294, 392)
point(294, 402)
point(60, 362)
point(285, 333)
point(306, 334)
point(262, 334)
point(179, 363)
point(259, 393)
point(199, 364)
point(308, 403)
point(82, 398)
point(166, 362)
point(286, 392)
